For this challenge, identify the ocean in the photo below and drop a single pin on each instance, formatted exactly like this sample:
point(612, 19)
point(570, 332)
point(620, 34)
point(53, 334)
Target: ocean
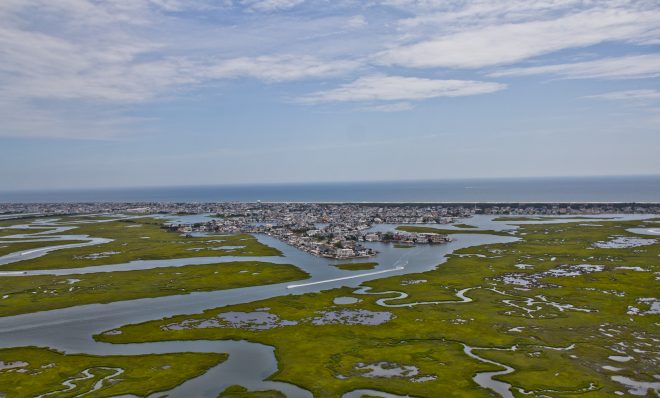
point(574, 189)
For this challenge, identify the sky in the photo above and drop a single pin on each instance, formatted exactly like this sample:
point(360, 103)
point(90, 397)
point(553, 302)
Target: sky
point(121, 93)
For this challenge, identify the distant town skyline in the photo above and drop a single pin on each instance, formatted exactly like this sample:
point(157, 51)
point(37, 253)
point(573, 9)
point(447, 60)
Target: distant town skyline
point(125, 93)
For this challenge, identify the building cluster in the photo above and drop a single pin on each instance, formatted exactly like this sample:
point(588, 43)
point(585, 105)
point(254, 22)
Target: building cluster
point(336, 231)
point(386, 212)
point(342, 230)
point(551, 209)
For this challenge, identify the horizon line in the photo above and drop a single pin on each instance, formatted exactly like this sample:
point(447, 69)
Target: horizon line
point(333, 182)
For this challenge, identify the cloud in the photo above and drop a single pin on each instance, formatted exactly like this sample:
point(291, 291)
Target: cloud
point(356, 22)
point(65, 120)
point(271, 5)
point(455, 15)
point(112, 53)
point(279, 68)
point(120, 69)
point(398, 88)
point(627, 67)
point(513, 42)
point(628, 95)
point(108, 54)
point(190, 5)
point(393, 107)
point(79, 13)
point(119, 62)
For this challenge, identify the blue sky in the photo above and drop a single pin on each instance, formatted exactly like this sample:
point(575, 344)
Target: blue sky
point(171, 92)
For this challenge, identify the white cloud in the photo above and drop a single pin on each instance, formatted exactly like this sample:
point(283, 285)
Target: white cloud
point(398, 88)
point(513, 42)
point(393, 107)
point(271, 5)
point(627, 67)
point(117, 68)
point(120, 52)
point(454, 15)
point(628, 95)
point(190, 5)
point(118, 62)
point(64, 121)
point(356, 22)
point(112, 53)
point(131, 82)
point(279, 68)
point(77, 13)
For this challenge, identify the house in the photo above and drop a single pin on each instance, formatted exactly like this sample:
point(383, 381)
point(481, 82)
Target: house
point(345, 253)
point(372, 237)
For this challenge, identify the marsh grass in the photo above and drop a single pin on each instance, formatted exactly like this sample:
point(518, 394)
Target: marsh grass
point(356, 266)
point(143, 374)
point(324, 358)
point(25, 294)
point(141, 239)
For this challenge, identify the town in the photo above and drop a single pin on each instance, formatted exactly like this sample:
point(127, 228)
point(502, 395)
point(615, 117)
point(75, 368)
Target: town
point(343, 240)
point(340, 230)
point(394, 212)
point(334, 231)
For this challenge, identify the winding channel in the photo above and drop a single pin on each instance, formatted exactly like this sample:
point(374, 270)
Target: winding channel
point(249, 364)
point(401, 295)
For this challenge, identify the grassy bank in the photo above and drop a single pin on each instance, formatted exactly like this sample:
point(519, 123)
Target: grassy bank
point(142, 239)
point(419, 229)
point(39, 371)
point(464, 226)
point(546, 218)
point(4, 232)
point(25, 294)
point(356, 266)
point(19, 246)
point(237, 391)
